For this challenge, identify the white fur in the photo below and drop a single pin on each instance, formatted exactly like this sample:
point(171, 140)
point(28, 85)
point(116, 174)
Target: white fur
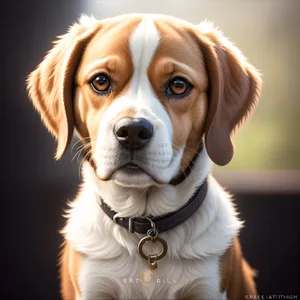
point(111, 260)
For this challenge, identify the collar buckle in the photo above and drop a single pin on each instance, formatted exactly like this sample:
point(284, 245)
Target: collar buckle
point(131, 223)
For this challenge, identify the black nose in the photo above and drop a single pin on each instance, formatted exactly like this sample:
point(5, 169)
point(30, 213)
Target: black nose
point(133, 133)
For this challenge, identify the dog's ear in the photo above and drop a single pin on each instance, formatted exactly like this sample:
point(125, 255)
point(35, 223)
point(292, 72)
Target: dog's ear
point(50, 86)
point(234, 89)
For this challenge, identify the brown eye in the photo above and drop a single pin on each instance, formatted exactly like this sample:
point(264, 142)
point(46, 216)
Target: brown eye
point(101, 83)
point(178, 87)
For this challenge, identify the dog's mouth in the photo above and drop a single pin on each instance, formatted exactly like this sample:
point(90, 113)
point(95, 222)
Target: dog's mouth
point(132, 166)
point(133, 175)
point(134, 169)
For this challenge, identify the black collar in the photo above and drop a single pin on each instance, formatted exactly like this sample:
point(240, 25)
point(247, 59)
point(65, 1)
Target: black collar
point(162, 223)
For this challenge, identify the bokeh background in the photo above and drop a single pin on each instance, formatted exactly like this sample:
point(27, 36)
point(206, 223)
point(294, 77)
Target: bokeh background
point(264, 175)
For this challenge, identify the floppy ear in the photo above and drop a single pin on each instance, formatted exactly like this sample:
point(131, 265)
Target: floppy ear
point(234, 89)
point(50, 86)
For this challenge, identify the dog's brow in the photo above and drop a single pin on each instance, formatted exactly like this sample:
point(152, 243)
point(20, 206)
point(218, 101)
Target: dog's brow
point(171, 66)
point(108, 63)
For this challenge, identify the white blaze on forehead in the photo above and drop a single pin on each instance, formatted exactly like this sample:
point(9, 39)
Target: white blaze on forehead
point(143, 44)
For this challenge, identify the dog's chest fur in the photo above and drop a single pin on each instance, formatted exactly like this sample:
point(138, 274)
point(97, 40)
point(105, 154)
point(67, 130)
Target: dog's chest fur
point(126, 279)
point(111, 265)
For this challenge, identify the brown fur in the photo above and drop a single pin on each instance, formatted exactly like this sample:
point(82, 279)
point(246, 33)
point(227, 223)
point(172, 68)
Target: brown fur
point(237, 277)
point(69, 272)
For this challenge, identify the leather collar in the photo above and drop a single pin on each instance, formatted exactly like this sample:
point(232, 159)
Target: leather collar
point(162, 223)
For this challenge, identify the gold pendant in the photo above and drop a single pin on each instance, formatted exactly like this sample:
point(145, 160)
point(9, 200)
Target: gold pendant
point(152, 258)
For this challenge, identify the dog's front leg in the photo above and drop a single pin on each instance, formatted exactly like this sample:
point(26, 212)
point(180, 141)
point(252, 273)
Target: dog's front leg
point(203, 295)
point(203, 290)
point(96, 283)
point(207, 285)
point(97, 288)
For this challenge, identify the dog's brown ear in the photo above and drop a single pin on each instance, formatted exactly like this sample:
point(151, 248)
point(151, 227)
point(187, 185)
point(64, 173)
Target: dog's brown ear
point(50, 86)
point(234, 89)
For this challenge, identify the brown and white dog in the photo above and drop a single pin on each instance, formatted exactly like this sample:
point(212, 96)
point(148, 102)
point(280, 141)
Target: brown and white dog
point(151, 97)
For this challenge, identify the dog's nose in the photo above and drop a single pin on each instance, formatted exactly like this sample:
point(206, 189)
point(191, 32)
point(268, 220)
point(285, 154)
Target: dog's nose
point(133, 133)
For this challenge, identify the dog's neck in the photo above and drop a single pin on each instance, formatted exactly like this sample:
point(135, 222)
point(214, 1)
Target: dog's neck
point(155, 200)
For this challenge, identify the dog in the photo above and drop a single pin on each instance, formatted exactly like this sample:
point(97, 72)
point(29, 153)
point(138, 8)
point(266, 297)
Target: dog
point(154, 101)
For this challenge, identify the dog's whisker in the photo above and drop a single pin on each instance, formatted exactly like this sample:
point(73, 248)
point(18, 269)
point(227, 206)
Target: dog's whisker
point(190, 163)
point(83, 149)
point(186, 147)
point(83, 159)
point(188, 166)
point(80, 147)
point(127, 192)
point(78, 152)
point(80, 140)
point(85, 143)
point(192, 172)
point(144, 192)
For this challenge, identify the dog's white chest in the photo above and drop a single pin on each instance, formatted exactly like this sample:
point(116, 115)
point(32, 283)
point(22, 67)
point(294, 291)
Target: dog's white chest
point(129, 278)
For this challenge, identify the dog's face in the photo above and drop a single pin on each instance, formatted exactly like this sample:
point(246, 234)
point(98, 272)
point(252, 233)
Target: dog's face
point(141, 96)
point(142, 91)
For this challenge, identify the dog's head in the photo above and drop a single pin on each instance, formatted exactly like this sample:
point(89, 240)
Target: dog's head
point(142, 91)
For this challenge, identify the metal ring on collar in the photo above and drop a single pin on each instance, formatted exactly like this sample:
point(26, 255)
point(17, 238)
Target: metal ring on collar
point(153, 240)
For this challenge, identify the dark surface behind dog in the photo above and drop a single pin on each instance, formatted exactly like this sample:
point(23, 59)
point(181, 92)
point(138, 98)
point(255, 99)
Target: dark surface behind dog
point(35, 188)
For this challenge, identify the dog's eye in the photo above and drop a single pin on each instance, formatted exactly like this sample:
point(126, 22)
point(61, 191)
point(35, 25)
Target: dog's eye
point(101, 84)
point(178, 87)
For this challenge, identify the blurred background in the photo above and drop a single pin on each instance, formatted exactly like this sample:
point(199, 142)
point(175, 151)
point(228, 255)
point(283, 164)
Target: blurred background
point(264, 175)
